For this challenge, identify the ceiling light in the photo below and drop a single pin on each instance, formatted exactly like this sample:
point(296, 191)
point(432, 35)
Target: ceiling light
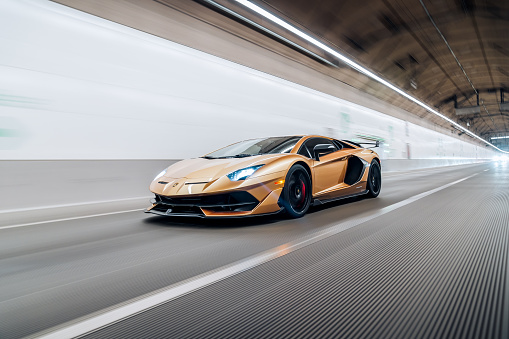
point(413, 83)
point(353, 64)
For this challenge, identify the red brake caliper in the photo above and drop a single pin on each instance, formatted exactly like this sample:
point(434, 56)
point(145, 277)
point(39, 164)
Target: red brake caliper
point(303, 193)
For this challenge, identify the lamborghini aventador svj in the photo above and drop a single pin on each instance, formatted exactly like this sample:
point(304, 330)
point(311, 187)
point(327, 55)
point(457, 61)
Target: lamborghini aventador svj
point(265, 176)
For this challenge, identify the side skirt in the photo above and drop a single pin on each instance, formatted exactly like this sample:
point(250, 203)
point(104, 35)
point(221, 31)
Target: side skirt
point(317, 202)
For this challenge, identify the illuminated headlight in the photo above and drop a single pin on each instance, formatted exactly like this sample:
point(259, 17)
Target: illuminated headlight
point(243, 174)
point(160, 175)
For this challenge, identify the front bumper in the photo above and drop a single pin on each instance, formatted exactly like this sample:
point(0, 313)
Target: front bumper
point(230, 204)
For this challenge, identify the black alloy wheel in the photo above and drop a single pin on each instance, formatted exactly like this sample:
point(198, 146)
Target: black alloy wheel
point(296, 195)
point(374, 179)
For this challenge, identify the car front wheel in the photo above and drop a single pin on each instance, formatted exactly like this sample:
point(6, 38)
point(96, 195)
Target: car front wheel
point(296, 195)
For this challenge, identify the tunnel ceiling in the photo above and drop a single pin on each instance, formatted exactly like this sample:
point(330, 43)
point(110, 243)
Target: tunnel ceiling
point(398, 40)
point(394, 38)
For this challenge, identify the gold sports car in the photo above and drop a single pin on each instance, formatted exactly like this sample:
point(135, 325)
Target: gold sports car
point(267, 176)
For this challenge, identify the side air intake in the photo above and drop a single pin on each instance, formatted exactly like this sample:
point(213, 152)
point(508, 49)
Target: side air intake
point(354, 170)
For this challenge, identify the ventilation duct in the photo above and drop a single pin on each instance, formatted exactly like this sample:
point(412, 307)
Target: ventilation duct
point(468, 110)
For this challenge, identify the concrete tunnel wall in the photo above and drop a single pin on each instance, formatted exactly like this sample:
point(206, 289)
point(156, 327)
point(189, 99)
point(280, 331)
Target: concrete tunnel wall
point(91, 110)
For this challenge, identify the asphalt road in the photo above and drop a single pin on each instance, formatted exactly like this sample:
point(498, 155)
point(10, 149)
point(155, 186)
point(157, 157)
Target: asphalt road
point(401, 265)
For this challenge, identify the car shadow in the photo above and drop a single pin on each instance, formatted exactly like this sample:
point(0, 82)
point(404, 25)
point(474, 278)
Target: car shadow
point(192, 222)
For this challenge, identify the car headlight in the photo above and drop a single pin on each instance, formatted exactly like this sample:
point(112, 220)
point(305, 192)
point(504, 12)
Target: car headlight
point(243, 174)
point(160, 174)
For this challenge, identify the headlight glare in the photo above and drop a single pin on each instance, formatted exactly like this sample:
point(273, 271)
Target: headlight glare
point(160, 174)
point(243, 174)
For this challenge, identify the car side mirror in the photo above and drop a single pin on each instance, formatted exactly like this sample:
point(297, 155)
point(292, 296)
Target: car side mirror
point(322, 149)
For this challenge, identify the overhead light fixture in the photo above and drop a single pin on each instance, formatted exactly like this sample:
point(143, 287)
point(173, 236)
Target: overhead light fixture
point(354, 65)
point(495, 138)
point(413, 83)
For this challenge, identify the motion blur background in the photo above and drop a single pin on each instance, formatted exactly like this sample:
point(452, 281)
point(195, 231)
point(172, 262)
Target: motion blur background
point(92, 109)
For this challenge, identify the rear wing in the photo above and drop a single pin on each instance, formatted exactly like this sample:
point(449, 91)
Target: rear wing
point(359, 144)
point(376, 143)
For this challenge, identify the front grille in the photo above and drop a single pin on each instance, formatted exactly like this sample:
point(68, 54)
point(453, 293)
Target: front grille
point(178, 210)
point(235, 201)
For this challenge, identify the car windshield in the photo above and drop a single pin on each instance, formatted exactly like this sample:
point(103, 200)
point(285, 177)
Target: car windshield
point(253, 147)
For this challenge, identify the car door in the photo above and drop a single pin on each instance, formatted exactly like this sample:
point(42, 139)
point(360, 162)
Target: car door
point(328, 170)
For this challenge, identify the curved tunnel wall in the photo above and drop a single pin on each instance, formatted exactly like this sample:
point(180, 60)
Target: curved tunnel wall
point(75, 87)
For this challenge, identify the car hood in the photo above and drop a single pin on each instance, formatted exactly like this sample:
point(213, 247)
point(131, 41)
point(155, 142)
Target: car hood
point(205, 170)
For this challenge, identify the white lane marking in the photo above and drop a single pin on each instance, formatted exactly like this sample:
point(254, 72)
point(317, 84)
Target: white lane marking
point(71, 205)
point(426, 170)
point(67, 219)
point(164, 295)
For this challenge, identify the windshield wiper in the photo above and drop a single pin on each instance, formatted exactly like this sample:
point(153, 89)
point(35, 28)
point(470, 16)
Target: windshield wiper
point(243, 155)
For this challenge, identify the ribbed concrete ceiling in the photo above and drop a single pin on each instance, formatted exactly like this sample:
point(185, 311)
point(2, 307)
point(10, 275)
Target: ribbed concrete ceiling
point(397, 39)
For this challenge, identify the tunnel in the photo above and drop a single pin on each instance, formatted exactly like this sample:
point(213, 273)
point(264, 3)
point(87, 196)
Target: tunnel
point(254, 169)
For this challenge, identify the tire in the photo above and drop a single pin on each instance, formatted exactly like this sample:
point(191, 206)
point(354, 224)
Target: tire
point(296, 194)
point(374, 179)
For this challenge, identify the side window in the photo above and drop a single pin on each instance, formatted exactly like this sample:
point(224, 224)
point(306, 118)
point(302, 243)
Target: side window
point(304, 151)
point(342, 144)
point(307, 148)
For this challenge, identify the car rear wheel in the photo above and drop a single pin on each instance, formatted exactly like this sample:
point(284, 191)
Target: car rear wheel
point(374, 179)
point(296, 195)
